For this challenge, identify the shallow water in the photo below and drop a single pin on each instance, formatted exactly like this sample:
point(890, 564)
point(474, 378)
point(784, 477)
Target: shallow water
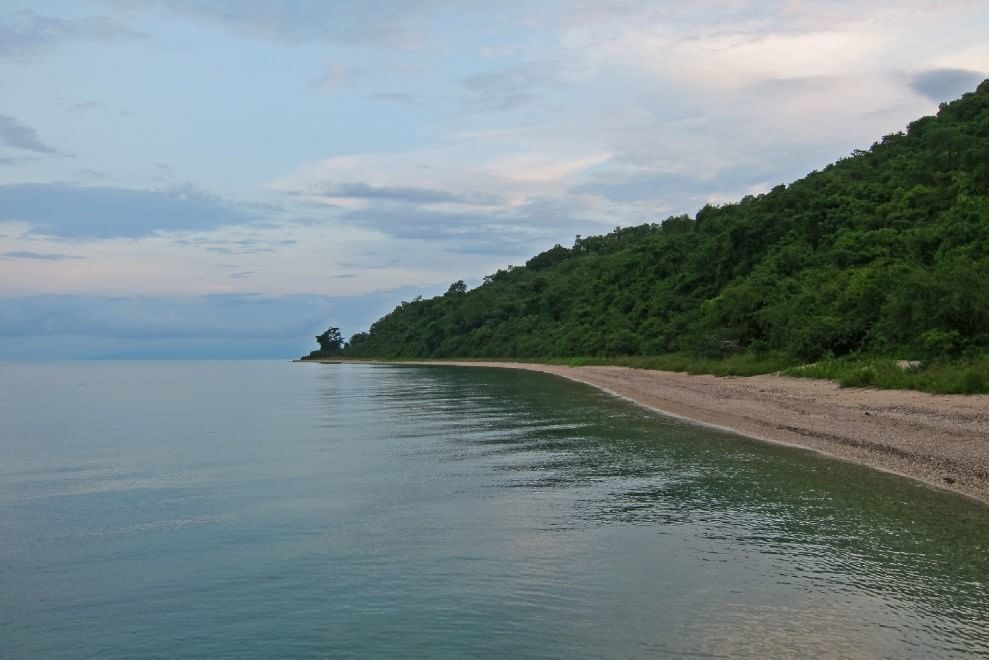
point(251, 510)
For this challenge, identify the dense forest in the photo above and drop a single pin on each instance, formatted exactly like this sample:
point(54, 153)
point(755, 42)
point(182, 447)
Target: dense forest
point(885, 252)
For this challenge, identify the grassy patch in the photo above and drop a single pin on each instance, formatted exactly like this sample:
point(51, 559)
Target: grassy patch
point(744, 364)
point(968, 376)
point(965, 376)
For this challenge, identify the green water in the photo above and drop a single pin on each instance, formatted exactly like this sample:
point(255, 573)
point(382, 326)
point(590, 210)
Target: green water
point(261, 510)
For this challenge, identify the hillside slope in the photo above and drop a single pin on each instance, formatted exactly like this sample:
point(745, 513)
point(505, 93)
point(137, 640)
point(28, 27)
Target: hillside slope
point(885, 252)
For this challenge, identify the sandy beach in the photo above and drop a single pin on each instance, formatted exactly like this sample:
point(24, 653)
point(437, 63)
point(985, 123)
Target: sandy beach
point(941, 440)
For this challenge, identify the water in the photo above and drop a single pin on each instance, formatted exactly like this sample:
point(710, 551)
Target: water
point(258, 510)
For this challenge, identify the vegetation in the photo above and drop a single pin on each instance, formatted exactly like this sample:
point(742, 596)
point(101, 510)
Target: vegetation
point(331, 344)
point(967, 376)
point(884, 254)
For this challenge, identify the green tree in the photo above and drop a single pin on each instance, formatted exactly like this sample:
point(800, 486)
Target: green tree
point(330, 342)
point(885, 252)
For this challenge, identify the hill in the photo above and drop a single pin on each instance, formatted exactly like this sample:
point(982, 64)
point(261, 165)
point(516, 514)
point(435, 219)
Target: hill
point(885, 253)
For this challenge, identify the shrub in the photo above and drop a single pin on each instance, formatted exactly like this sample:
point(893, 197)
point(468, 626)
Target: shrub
point(864, 377)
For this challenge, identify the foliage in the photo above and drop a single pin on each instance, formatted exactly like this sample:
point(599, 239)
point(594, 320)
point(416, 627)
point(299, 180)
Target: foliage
point(965, 376)
point(884, 253)
point(331, 344)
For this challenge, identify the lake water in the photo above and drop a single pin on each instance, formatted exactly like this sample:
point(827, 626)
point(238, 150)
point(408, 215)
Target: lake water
point(262, 510)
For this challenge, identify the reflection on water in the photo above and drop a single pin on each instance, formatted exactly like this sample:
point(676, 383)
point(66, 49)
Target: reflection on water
point(253, 510)
point(863, 551)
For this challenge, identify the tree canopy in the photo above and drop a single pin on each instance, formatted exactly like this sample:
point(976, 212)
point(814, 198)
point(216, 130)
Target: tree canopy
point(330, 342)
point(885, 251)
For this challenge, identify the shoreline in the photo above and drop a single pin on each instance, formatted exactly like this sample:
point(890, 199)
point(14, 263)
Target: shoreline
point(940, 440)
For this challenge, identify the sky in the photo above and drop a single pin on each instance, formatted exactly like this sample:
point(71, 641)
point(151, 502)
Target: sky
point(227, 178)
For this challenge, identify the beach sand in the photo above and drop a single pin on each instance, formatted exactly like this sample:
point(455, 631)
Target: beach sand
point(941, 440)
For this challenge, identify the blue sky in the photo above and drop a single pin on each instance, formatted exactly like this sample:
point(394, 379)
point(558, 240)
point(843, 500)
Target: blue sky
point(225, 178)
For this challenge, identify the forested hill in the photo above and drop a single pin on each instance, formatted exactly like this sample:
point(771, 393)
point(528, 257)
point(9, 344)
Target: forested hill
point(885, 252)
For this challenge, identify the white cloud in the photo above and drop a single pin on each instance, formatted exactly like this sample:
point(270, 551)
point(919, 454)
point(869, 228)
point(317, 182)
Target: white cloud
point(510, 128)
point(465, 175)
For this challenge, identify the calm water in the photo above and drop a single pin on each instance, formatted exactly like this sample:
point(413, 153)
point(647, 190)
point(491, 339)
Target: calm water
point(255, 510)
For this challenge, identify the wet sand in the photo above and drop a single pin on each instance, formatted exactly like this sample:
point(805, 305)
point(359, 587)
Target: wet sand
point(941, 440)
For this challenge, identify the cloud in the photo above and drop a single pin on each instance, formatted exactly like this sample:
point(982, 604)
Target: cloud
point(629, 187)
point(72, 211)
point(25, 33)
point(43, 256)
point(243, 241)
point(502, 205)
point(339, 75)
point(531, 122)
point(396, 97)
point(391, 22)
point(412, 195)
point(474, 169)
point(335, 76)
point(511, 87)
point(92, 175)
point(245, 245)
point(85, 106)
point(585, 115)
point(945, 84)
point(17, 135)
point(507, 231)
point(212, 326)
